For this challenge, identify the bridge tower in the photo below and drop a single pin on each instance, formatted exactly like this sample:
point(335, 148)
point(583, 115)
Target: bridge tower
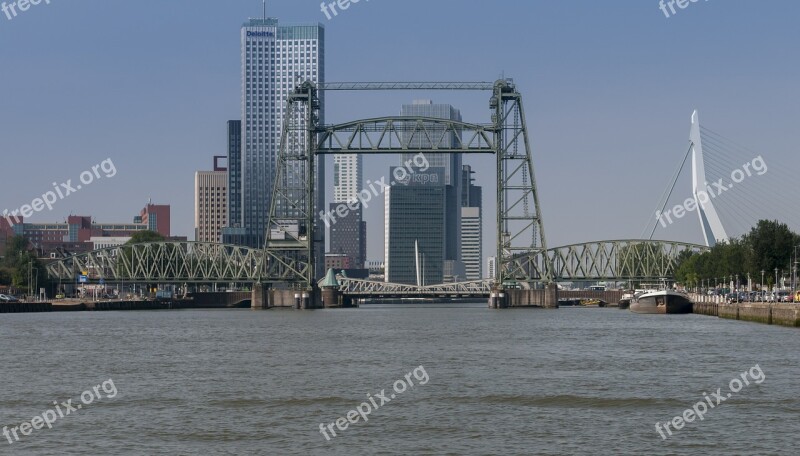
point(710, 223)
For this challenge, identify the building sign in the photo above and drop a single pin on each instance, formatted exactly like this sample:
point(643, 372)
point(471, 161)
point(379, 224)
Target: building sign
point(260, 34)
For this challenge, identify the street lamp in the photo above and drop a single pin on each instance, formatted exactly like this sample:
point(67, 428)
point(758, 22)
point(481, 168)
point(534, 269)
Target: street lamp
point(762, 280)
point(775, 288)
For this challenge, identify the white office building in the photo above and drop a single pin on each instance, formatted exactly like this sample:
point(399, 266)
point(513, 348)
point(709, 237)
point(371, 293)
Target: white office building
point(275, 59)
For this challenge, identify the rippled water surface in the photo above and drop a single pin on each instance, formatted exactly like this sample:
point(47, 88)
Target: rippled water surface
point(544, 382)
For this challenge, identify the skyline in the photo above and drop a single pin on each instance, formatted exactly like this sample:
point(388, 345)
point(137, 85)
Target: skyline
point(589, 93)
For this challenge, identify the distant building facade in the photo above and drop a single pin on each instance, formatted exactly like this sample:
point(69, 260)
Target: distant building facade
point(471, 225)
point(210, 204)
point(491, 267)
point(78, 234)
point(348, 236)
point(415, 229)
point(452, 169)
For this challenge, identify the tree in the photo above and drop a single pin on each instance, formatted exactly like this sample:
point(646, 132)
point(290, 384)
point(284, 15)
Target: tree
point(141, 237)
point(772, 245)
point(23, 270)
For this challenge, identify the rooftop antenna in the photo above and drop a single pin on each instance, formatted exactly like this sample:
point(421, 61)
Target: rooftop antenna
point(264, 2)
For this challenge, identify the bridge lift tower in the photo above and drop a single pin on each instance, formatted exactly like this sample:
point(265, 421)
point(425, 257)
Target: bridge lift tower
point(294, 225)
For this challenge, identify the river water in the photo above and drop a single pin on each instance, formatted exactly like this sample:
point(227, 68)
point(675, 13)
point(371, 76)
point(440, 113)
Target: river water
point(511, 382)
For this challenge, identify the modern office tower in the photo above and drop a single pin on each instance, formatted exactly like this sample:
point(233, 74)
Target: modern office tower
point(348, 236)
point(451, 163)
point(415, 229)
point(210, 204)
point(471, 238)
point(471, 225)
point(235, 173)
point(275, 59)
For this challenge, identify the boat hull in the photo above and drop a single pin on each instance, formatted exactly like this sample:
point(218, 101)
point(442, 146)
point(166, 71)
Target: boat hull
point(662, 304)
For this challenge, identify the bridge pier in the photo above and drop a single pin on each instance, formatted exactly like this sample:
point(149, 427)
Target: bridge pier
point(260, 299)
point(546, 298)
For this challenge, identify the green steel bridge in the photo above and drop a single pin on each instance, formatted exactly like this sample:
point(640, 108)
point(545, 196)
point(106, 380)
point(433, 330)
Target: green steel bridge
point(291, 254)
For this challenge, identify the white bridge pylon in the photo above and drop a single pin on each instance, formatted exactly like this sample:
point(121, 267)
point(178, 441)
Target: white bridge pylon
point(713, 231)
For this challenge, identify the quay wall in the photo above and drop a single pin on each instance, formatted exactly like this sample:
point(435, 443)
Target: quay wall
point(778, 313)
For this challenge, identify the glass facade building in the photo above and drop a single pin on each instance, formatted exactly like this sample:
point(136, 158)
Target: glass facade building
point(450, 163)
point(275, 59)
point(235, 173)
point(415, 222)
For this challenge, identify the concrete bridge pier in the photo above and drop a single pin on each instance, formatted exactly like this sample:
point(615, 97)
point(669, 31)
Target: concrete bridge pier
point(498, 299)
point(260, 299)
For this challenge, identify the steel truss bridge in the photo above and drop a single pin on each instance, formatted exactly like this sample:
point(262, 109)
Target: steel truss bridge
point(205, 263)
point(295, 235)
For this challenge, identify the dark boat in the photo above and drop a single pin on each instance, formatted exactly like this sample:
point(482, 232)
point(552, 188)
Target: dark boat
point(662, 302)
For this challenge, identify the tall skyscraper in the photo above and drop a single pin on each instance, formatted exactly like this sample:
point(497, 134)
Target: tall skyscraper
point(210, 204)
point(415, 229)
point(471, 225)
point(275, 59)
point(451, 163)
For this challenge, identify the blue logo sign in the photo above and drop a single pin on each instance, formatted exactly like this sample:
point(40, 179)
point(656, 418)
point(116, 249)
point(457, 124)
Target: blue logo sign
point(83, 279)
point(260, 34)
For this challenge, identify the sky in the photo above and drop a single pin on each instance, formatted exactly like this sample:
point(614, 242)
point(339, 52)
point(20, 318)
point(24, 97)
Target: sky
point(608, 87)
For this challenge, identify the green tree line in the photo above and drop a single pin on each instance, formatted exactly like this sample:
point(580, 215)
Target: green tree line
point(769, 245)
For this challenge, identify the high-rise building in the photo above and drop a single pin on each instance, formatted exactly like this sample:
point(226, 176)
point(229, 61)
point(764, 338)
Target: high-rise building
point(451, 163)
point(347, 178)
point(235, 173)
point(210, 204)
point(415, 229)
point(471, 238)
point(348, 236)
point(275, 59)
point(471, 225)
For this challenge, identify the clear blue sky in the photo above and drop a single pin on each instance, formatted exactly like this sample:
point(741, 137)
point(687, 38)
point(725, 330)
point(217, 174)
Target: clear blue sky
point(609, 87)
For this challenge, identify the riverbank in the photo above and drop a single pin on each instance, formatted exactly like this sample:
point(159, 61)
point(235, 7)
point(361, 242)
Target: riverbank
point(783, 314)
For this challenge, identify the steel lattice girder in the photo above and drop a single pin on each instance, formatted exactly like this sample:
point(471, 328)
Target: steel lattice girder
point(166, 262)
point(370, 288)
point(619, 260)
point(395, 135)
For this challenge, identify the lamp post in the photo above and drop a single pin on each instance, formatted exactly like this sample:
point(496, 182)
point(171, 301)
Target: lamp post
point(794, 273)
point(762, 280)
point(775, 288)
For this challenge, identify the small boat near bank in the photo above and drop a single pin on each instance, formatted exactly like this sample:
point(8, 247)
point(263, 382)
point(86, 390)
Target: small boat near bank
point(662, 302)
